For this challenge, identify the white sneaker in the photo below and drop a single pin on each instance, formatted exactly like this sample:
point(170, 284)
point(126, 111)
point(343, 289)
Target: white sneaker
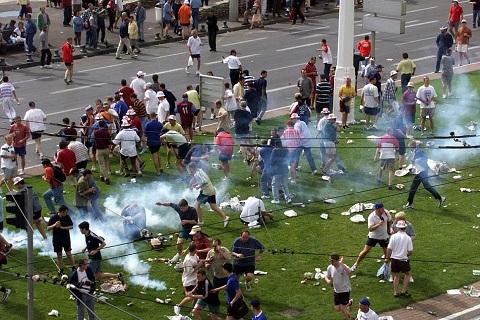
point(6, 294)
point(411, 279)
point(444, 96)
point(265, 196)
point(176, 310)
point(274, 201)
point(226, 221)
point(186, 70)
point(20, 172)
point(40, 155)
point(353, 267)
point(390, 279)
point(93, 169)
point(212, 116)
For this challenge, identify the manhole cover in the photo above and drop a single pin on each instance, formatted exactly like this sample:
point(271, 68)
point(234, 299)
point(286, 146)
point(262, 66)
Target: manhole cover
point(6, 14)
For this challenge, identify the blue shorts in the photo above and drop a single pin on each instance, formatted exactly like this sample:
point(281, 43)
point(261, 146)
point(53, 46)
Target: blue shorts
point(184, 234)
point(95, 265)
point(294, 155)
point(213, 309)
point(224, 157)
point(20, 151)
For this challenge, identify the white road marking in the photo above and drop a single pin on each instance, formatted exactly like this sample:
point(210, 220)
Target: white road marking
point(78, 88)
point(163, 72)
point(104, 67)
point(460, 313)
point(362, 34)
point(412, 21)
point(299, 46)
point(424, 58)
point(240, 42)
point(308, 30)
point(241, 57)
point(286, 67)
point(421, 23)
point(63, 111)
point(312, 36)
point(171, 55)
point(282, 88)
point(31, 80)
point(422, 9)
point(413, 41)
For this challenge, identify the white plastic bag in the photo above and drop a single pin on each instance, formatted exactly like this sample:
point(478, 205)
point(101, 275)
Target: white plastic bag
point(384, 272)
point(190, 62)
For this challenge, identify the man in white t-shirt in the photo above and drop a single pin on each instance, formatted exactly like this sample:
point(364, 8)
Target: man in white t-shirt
point(190, 266)
point(35, 120)
point(163, 107)
point(387, 145)
point(127, 139)
point(150, 99)
point(193, 45)
point(370, 102)
point(326, 55)
point(426, 97)
point(251, 211)
point(379, 222)
point(229, 100)
point(399, 250)
point(364, 311)
point(8, 159)
point(338, 276)
point(7, 95)
point(138, 85)
point(234, 65)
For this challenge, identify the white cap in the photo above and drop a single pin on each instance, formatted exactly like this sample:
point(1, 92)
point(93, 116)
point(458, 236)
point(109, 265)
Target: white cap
point(294, 116)
point(393, 72)
point(16, 180)
point(172, 117)
point(186, 2)
point(464, 20)
point(401, 224)
point(195, 229)
point(125, 123)
point(160, 94)
point(147, 85)
point(89, 107)
point(331, 116)
point(131, 112)
point(325, 111)
point(410, 84)
point(141, 74)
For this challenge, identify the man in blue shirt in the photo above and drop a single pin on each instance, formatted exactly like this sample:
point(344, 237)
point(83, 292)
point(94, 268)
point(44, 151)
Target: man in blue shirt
point(153, 127)
point(420, 163)
point(257, 311)
point(235, 303)
point(244, 252)
point(30, 31)
point(195, 5)
point(188, 218)
point(141, 16)
point(120, 106)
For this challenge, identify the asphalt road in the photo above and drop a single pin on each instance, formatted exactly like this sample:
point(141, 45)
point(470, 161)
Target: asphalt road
point(281, 49)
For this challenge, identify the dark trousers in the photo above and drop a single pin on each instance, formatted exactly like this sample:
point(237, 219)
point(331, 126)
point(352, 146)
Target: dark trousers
point(476, 18)
point(46, 53)
point(422, 177)
point(29, 43)
point(101, 29)
point(298, 12)
point(67, 15)
point(204, 2)
point(234, 76)
point(440, 53)
point(212, 40)
point(326, 69)
point(404, 80)
point(111, 19)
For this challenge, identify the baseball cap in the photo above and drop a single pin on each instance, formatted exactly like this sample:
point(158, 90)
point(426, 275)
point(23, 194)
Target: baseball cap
point(378, 205)
point(16, 180)
point(89, 107)
point(160, 94)
point(325, 111)
point(410, 84)
point(393, 72)
point(294, 116)
point(443, 28)
point(401, 224)
point(195, 229)
point(147, 85)
point(131, 112)
point(331, 116)
point(141, 74)
point(464, 20)
point(172, 117)
point(364, 301)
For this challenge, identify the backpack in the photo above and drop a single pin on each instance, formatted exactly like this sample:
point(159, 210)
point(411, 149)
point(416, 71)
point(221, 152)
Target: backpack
point(58, 174)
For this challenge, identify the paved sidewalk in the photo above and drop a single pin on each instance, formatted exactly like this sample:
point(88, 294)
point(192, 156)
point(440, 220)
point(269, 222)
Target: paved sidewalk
point(58, 33)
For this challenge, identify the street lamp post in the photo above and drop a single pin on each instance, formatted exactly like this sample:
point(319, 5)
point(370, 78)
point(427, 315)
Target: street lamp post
point(345, 55)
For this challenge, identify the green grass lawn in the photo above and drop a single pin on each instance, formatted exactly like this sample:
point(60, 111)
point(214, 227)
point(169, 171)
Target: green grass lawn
point(445, 250)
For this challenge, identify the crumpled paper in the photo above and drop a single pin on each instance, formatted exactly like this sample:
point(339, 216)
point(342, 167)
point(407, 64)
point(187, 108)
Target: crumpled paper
point(330, 201)
point(179, 317)
point(290, 213)
point(324, 216)
point(53, 313)
point(233, 203)
point(359, 207)
point(113, 286)
point(358, 218)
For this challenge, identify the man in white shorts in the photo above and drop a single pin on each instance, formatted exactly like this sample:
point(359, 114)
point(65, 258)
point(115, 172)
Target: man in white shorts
point(426, 97)
point(7, 94)
point(463, 39)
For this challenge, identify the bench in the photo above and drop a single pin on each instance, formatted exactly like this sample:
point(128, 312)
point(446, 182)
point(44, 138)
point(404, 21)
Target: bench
point(6, 45)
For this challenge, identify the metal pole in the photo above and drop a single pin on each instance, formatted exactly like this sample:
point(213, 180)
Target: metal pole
point(29, 209)
point(372, 40)
point(233, 10)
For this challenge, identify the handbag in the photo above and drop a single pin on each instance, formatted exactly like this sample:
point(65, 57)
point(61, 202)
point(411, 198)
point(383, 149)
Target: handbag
point(239, 309)
point(190, 61)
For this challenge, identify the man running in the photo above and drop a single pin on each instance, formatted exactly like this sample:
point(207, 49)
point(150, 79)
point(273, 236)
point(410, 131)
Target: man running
point(7, 94)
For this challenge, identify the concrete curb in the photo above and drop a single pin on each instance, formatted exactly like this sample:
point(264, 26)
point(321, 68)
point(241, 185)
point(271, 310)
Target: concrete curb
point(113, 48)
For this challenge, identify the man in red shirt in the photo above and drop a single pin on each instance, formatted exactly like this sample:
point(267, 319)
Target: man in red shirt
point(311, 70)
point(364, 47)
point(126, 93)
point(21, 133)
point(55, 193)
point(186, 111)
point(65, 157)
point(454, 18)
point(67, 55)
point(224, 142)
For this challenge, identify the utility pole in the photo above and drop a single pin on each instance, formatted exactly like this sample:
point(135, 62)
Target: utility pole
point(233, 10)
point(29, 209)
point(344, 55)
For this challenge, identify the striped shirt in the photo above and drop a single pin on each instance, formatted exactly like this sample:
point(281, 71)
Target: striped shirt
point(6, 90)
point(80, 150)
point(389, 92)
point(247, 80)
point(323, 90)
point(291, 139)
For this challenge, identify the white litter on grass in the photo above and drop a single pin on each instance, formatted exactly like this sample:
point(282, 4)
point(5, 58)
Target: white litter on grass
point(260, 273)
point(402, 172)
point(53, 313)
point(179, 317)
point(324, 216)
point(454, 292)
point(349, 141)
point(373, 137)
point(475, 227)
point(283, 269)
point(358, 218)
point(330, 201)
point(353, 276)
point(233, 203)
point(400, 186)
point(457, 177)
point(476, 272)
point(345, 213)
point(290, 213)
point(392, 211)
point(465, 190)
point(287, 223)
point(308, 276)
point(453, 170)
point(326, 178)
point(381, 281)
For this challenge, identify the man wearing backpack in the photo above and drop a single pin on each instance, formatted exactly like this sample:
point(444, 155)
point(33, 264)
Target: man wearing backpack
point(55, 177)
